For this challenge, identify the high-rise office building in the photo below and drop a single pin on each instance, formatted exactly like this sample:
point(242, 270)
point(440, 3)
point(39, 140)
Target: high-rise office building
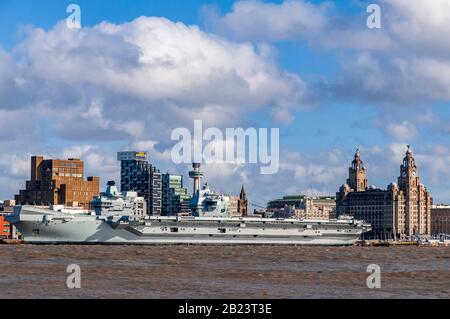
point(138, 175)
point(404, 209)
point(58, 182)
point(175, 198)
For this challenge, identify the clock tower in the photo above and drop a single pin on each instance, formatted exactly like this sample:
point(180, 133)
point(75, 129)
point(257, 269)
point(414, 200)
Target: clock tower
point(417, 212)
point(357, 180)
point(409, 177)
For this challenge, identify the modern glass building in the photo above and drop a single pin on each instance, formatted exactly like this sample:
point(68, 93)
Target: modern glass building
point(175, 198)
point(138, 175)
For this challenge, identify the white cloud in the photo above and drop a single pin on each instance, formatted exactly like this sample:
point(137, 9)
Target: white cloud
point(121, 85)
point(402, 131)
point(257, 20)
point(152, 64)
point(407, 61)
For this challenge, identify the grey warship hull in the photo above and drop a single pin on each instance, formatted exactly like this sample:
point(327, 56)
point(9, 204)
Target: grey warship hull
point(44, 226)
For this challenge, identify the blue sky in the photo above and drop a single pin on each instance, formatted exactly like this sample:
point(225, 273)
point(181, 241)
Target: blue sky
point(333, 85)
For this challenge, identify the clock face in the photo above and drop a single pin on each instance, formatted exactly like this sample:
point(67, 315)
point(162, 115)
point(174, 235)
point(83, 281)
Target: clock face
point(413, 174)
point(404, 174)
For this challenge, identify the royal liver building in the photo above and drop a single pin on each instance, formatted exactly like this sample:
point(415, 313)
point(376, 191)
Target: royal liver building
point(404, 209)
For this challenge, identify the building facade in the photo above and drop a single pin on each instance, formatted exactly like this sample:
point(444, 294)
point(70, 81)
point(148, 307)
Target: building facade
point(234, 205)
point(58, 182)
point(403, 209)
point(138, 175)
point(6, 229)
point(175, 198)
point(440, 220)
point(238, 204)
point(302, 206)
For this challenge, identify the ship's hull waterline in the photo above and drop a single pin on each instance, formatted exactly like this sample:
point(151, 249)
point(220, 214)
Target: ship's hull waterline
point(43, 226)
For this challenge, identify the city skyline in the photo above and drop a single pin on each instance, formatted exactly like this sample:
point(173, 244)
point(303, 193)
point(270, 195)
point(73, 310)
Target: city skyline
point(135, 72)
point(141, 156)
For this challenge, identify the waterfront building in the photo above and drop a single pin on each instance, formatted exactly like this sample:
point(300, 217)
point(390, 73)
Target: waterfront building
point(440, 219)
point(5, 228)
point(234, 205)
point(155, 198)
point(138, 175)
point(238, 206)
point(9, 203)
point(58, 182)
point(175, 198)
point(302, 206)
point(403, 209)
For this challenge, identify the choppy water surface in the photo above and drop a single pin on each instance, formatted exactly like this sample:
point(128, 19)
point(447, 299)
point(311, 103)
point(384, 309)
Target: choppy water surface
point(223, 272)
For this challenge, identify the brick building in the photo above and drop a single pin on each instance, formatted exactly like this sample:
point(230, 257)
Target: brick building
point(238, 204)
point(234, 203)
point(440, 220)
point(58, 182)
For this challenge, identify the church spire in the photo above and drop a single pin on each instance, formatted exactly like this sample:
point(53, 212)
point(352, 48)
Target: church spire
point(243, 194)
point(243, 203)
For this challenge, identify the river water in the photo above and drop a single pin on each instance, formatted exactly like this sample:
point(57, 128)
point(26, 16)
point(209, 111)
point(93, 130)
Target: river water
point(239, 272)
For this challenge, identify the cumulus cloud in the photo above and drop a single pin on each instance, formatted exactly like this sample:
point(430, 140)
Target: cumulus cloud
point(262, 21)
point(405, 62)
point(118, 86)
point(151, 64)
point(402, 131)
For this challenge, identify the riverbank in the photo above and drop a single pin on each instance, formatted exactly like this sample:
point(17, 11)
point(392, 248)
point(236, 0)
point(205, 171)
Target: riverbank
point(11, 242)
point(389, 243)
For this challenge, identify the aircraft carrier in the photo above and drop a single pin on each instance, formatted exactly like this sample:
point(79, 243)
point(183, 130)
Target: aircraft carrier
point(46, 226)
point(121, 218)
